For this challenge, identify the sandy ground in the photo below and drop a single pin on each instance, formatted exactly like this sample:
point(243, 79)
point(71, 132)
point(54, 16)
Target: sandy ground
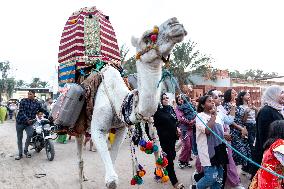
point(62, 173)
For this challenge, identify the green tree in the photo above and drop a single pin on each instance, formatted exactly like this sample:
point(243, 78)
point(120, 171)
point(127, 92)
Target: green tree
point(237, 74)
point(11, 84)
point(20, 83)
point(186, 59)
point(4, 68)
point(123, 53)
point(43, 84)
point(37, 83)
point(6, 84)
point(254, 74)
point(130, 66)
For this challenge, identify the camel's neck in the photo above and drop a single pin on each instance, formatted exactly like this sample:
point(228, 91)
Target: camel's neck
point(148, 78)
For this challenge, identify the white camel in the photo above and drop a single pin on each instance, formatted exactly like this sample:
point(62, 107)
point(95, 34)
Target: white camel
point(113, 91)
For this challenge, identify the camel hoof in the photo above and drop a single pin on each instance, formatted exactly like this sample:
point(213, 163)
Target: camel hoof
point(111, 185)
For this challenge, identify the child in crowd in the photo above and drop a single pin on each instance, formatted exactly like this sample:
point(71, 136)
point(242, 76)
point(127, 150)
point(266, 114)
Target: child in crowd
point(39, 116)
point(211, 151)
point(187, 108)
point(88, 138)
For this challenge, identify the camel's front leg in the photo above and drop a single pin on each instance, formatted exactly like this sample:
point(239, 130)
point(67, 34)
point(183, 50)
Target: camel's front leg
point(99, 137)
point(120, 134)
point(79, 141)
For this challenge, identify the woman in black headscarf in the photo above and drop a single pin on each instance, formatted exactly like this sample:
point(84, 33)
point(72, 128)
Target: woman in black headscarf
point(165, 121)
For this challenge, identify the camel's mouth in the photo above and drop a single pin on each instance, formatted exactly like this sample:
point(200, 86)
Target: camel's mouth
point(177, 32)
point(178, 37)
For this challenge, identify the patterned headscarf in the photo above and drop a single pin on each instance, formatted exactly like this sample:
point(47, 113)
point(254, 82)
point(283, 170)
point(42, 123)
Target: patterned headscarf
point(271, 97)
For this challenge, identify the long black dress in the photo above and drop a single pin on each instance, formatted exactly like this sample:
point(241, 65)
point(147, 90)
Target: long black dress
point(166, 123)
point(264, 118)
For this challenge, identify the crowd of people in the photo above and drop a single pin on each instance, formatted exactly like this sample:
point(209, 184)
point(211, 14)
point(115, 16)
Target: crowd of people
point(256, 133)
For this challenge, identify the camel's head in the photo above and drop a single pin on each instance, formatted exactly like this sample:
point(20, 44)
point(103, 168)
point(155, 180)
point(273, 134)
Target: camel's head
point(158, 43)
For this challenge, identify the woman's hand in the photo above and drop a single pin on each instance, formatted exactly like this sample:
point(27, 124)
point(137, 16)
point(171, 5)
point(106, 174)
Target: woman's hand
point(213, 111)
point(244, 132)
point(254, 108)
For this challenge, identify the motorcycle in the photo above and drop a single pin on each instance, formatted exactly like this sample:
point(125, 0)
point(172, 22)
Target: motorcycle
point(42, 138)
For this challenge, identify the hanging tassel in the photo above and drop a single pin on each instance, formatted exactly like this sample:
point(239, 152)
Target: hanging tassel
point(137, 170)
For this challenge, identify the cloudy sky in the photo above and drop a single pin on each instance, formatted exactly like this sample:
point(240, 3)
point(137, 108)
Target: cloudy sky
point(238, 34)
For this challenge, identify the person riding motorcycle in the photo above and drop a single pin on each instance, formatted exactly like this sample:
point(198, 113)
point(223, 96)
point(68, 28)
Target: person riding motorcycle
point(27, 113)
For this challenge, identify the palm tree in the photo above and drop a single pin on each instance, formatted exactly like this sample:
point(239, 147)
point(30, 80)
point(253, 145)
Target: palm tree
point(186, 57)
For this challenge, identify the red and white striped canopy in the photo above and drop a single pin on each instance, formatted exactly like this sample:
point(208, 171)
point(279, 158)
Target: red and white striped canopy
point(88, 37)
point(82, 27)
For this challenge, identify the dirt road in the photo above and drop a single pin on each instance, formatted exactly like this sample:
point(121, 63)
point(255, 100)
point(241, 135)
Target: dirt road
point(61, 173)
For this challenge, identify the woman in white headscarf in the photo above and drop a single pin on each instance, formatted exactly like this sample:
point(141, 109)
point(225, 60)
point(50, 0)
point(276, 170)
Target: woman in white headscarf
point(272, 109)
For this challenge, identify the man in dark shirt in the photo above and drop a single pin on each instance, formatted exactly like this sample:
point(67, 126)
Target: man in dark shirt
point(27, 113)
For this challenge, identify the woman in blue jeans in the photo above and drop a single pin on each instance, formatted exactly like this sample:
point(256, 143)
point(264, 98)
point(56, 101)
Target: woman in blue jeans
point(211, 151)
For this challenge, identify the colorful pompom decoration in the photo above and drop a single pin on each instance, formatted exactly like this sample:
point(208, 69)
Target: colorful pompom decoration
point(160, 171)
point(137, 179)
point(138, 55)
point(165, 178)
point(155, 30)
point(132, 182)
point(141, 173)
point(162, 162)
point(161, 175)
point(148, 147)
point(154, 38)
point(155, 148)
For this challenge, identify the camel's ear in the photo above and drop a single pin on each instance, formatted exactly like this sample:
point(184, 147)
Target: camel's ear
point(134, 41)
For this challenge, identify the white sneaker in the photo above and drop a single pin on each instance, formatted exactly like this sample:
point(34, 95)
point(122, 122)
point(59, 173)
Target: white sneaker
point(192, 177)
point(238, 187)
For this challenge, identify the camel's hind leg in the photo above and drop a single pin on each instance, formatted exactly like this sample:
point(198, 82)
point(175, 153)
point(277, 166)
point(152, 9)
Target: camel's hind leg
point(119, 138)
point(79, 141)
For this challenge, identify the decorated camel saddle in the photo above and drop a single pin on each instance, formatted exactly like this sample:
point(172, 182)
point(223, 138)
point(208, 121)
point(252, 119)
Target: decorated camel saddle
point(95, 95)
point(88, 43)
